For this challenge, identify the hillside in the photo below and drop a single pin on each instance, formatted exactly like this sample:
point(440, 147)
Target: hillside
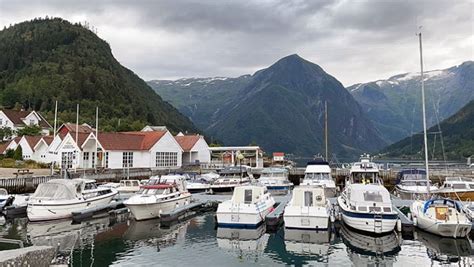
point(44, 60)
point(458, 137)
point(280, 108)
point(394, 104)
point(200, 99)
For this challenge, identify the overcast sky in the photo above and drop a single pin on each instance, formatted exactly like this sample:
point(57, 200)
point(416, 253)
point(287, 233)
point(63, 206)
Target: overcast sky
point(355, 41)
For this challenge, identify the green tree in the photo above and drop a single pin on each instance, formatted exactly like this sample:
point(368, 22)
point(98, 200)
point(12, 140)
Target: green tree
point(29, 130)
point(9, 153)
point(5, 133)
point(18, 155)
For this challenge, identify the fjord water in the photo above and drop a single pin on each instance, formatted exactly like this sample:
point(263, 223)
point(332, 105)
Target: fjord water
point(197, 242)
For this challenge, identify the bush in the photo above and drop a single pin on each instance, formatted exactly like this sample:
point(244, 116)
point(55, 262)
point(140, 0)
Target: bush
point(9, 153)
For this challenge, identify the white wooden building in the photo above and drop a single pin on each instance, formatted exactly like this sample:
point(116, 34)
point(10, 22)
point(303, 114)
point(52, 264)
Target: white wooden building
point(18, 119)
point(195, 149)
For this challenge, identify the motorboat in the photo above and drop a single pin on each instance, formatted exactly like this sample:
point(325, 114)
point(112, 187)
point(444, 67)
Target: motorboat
point(58, 198)
point(276, 180)
point(159, 195)
point(308, 242)
point(247, 208)
point(229, 178)
point(441, 216)
point(4, 196)
point(245, 243)
point(308, 209)
point(318, 173)
point(367, 250)
point(412, 184)
point(129, 186)
point(457, 188)
point(445, 250)
point(365, 203)
point(197, 183)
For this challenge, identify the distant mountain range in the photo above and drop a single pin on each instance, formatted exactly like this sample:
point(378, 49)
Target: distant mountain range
point(394, 105)
point(279, 108)
point(458, 139)
point(44, 60)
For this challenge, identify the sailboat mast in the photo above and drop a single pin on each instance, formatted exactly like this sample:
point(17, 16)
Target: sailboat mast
point(424, 116)
point(326, 127)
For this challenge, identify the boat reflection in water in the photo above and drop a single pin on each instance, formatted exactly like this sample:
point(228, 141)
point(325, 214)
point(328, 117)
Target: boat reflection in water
point(366, 250)
point(446, 250)
point(308, 242)
point(149, 232)
point(248, 244)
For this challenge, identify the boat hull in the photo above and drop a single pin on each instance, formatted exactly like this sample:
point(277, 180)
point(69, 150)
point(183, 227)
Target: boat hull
point(317, 218)
point(153, 210)
point(50, 211)
point(368, 222)
point(444, 229)
point(243, 216)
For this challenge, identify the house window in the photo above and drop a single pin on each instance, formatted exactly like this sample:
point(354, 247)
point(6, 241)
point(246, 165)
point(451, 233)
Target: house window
point(166, 159)
point(32, 122)
point(66, 160)
point(1, 121)
point(127, 159)
point(93, 159)
point(106, 159)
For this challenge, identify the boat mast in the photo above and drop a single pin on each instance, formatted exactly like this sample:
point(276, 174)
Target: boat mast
point(424, 117)
point(326, 127)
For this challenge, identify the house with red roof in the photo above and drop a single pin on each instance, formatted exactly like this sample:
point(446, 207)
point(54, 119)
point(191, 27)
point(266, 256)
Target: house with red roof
point(18, 119)
point(195, 149)
point(35, 147)
point(151, 149)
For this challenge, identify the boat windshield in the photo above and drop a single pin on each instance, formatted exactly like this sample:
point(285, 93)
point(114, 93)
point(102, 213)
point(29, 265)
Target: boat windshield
point(414, 183)
point(364, 177)
point(146, 191)
point(53, 191)
point(317, 176)
point(373, 196)
point(414, 176)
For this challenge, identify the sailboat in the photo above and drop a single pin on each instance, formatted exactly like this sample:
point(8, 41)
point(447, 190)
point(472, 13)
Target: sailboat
point(440, 216)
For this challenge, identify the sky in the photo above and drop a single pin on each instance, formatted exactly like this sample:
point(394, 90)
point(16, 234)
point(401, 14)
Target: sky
point(353, 40)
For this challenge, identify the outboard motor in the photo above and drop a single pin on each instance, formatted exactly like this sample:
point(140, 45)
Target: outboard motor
point(9, 201)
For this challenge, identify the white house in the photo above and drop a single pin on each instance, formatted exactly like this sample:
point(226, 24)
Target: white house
point(35, 147)
point(152, 149)
point(18, 119)
point(278, 156)
point(195, 148)
point(11, 144)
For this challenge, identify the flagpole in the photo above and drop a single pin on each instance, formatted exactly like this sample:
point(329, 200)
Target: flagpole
point(96, 136)
point(77, 137)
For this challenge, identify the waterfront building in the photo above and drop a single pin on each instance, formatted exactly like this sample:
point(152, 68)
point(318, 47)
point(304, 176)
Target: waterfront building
point(18, 119)
point(278, 156)
point(195, 149)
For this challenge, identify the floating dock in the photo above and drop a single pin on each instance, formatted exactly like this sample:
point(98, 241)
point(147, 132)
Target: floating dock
point(82, 215)
point(275, 218)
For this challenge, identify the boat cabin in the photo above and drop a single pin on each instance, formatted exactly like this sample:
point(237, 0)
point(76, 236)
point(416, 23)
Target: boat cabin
point(308, 196)
point(179, 181)
point(64, 189)
point(412, 177)
point(369, 198)
point(458, 183)
point(129, 183)
point(364, 171)
point(234, 172)
point(276, 173)
point(248, 194)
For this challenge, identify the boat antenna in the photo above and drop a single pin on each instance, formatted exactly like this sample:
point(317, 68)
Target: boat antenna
point(425, 138)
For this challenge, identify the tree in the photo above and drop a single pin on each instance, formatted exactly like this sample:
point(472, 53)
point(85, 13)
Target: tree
point(9, 153)
point(29, 130)
point(18, 155)
point(5, 133)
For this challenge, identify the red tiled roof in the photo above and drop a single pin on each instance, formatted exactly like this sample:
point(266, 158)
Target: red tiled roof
point(187, 142)
point(48, 139)
point(82, 128)
point(3, 147)
point(130, 140)
point(278, 154)
point(17, 116)
point(32, 140)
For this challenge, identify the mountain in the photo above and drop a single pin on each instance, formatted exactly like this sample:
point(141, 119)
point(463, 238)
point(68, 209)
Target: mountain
point(200, 99)
point(45, 60)
point(457, 133)
point(281, 108)
point(394, 105)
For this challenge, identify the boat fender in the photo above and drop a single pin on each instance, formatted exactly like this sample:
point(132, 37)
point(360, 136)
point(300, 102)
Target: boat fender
point(399, 225)
point(333, 219)
point(415, 223)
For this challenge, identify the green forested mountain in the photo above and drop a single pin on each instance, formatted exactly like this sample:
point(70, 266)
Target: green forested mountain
point(281, 108)
point(394, 105)
point(45, 60)
point(457, 134)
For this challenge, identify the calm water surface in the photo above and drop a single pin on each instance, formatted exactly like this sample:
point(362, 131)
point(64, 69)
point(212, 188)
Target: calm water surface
point(123, 242)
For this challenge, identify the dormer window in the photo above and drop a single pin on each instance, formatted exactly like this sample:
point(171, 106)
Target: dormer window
point(32, 122)
point(1, 121)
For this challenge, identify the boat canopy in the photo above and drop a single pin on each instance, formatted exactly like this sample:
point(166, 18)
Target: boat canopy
point(248, 194)
point(411, 175)
point(442, 201)
point(58, 189)
point(369, 193)
point(308, 196)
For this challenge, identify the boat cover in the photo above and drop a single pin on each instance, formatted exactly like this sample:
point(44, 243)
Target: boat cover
point(60, 189)
point(443, 201)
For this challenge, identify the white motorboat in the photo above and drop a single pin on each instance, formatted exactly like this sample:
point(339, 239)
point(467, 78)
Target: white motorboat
point(197, 183)
point(457, 188)
point(365, 203)
point(318, 173)
point(308, 209)
point(276, 180)
point(229, 178)
point(247, 208)
point(441, 216)
point(411, 184)
point(4, 196)
point(129, 186)
point(58, 198)
point(161, 194)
